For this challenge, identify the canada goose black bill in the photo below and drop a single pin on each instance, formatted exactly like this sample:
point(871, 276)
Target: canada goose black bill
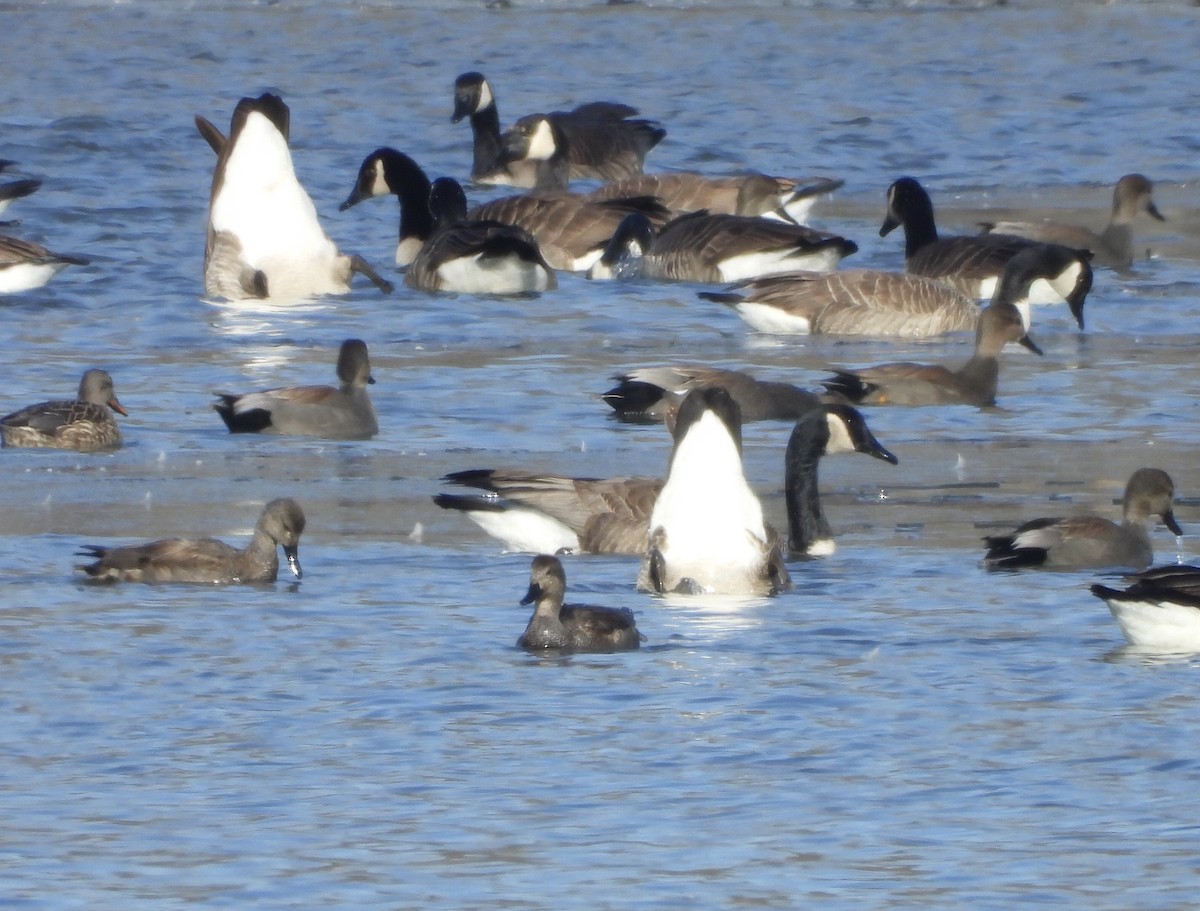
point(571, 627)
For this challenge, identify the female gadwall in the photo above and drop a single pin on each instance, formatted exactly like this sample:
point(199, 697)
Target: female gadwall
point(206, 559)
point(84, 425)
point(1077, 542)
point(571, 627)
point(341, 413)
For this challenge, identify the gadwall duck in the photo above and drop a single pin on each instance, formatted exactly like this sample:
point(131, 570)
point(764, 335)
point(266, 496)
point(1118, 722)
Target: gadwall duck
point(206, 560)
point(707, 531)
point(84, 425)
point(701, 247)
point(25, 265)
point(1111, 247)
point(971, 263)
point(972, 384)
point(790, 199)
point(652, 394)
point(443, 249)
point(553, 514)
point(1160, 611)
point(571, 627)
point(1079, 542)
point(341, 413)
point(869, 302)
point(264, 238)
point(604, 143)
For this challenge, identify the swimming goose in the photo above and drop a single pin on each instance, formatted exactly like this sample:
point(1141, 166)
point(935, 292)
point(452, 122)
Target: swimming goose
point(651, 394)
point(971, 263)
point(386, 172)
point(264, 238)
point(16, 189)
point(1160, 610)
point(83, 425)
point(475, 257)
point(342, 413)
point(1078, 542)
point(1111, 247)
point(869, 302)
point(25, 265)
point(571, 627)
point(604, 143)
point(972, 384)
point(206, 560)
point(700, 247)
point(746, 194)
point(553, 514)
point(707, 532)
point(572, 231)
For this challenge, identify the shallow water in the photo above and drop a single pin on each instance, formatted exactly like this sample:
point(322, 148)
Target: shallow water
point(903, 729)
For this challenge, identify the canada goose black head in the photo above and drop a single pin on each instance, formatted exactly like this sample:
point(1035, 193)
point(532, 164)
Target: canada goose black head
point(624, 250)
point(472, 94)
point(1068, 271)
point(447, 202)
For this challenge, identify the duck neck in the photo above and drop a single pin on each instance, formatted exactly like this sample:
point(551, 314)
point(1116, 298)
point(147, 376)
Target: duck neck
point(260, 561)
point(981, 374)
point(806, 521)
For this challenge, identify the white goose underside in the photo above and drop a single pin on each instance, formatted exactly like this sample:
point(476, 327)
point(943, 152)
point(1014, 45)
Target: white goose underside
point(771, 262)
point(769, 318)
point(711, 519)
point(1159, 626)
point(526, 530)
point(262, 205)
point(480, 274)
point(27, 276)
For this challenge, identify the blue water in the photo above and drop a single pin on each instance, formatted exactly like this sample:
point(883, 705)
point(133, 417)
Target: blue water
point(902, 730)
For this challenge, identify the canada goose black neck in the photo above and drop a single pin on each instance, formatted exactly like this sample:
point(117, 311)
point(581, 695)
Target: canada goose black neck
point(910, 206)
point(1047, 261)
point(447, 203)
point(831, 428)
point(387, 171)
point(473, 99)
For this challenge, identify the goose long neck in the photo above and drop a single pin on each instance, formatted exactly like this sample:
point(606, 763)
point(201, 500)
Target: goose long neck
point(920, 229)
point(485, 129)
point(806, 521)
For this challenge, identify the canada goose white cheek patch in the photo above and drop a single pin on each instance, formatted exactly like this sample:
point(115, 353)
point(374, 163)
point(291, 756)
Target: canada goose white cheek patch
point(541, 143)
point(379, 185)
point(840, 439)
point(485, 97)
point(1064, 283)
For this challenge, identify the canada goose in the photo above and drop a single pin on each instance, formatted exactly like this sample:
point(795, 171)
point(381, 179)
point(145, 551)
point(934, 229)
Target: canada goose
point(25, 265)
point(707, 532)
point(555, 514)
point(206, 560)
point(745, 194)
point(700, 247)
point(971, 263)
point(869, 302)
point(342, 413)
point(604, 143)
point(972, 384)
point(651, 394)
point(571, 230)
point(1160, 610)
point(16, 189)
point(571, 627)
point(264, 238)
point(1079, 542)
point(83, 425)
point(475, 257)
point(1111, 247)
point(386, 172)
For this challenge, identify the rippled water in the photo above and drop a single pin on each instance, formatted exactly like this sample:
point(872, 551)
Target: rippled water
point(902, 730)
